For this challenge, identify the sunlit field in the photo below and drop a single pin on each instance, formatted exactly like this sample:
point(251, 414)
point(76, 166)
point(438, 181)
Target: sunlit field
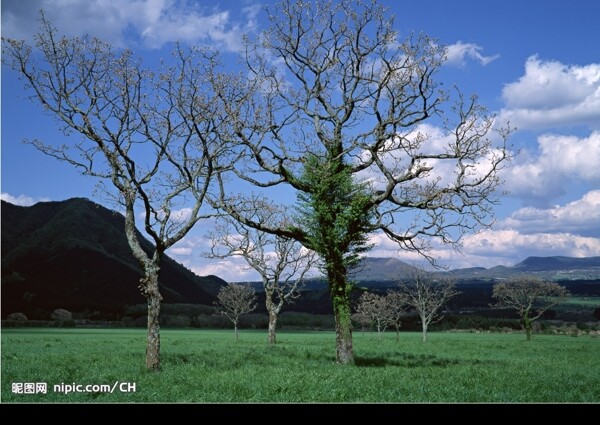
point(210, 366)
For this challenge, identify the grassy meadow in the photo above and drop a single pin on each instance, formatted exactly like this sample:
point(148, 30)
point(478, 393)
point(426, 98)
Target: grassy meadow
point(210, 366)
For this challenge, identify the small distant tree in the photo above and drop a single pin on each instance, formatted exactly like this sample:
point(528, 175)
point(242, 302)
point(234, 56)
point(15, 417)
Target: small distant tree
point(377, 308)
point(398, 305)
point(236, 299)
point(361, 319)
point(281, 262)
point(17, 319)
point(61, 316)
point(530, 297)
point(427, 292)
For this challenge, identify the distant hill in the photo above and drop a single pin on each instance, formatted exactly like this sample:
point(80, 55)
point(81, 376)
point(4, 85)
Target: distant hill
point(74, 254)
point(556, 268)
point(374, 268)
point(558, 263)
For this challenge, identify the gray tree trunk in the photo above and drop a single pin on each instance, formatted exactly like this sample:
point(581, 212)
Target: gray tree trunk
point(154, 300)
point(272, 327)
point(424, 331)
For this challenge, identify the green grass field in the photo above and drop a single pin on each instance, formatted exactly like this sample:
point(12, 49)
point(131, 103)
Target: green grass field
point(209, 366)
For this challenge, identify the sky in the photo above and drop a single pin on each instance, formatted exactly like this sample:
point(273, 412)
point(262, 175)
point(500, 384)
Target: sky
point(533, 63)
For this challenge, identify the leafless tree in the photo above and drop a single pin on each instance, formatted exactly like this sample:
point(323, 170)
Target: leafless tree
point(61, 316)
point(333, 95)
point(17, 319)
point(281, 262)
point(398, 304)
point(530, 297)
point(149, 135)
point(427, 292)
point(236, 299)
point(362, 319)
point(377, 308)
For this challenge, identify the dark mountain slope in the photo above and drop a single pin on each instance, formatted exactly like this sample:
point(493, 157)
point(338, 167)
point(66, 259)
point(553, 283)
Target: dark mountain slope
point(74, 254)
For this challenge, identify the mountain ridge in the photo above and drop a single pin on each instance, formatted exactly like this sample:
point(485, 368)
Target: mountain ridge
point(74, 254)
point(553, 267)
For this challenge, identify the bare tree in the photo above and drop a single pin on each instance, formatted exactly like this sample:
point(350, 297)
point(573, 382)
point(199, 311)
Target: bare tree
point(236, 299)
point(530, 297)
point(150, 135)
point(17, 319)
point(427, 292)
point(377, 308)
point(398, 304)
point(281, 262)
point(334, 109)
point(61, 316)
point(362, 319)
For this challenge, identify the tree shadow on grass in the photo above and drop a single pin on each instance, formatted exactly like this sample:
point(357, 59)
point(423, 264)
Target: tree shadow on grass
point(411, 360)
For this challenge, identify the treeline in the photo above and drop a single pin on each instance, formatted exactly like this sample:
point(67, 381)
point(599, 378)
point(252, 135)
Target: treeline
point(573, 319)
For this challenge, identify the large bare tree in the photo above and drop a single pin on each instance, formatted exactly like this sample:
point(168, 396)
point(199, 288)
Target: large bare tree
point(149, 135)
point(427, 292)
point(530, 297)
point(334, 110)
point(281, 262)
point(235, 299)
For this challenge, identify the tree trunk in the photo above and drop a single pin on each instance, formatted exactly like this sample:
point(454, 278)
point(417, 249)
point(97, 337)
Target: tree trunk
point(153, 298)
point(340, 294)
point(528, 327)
point(397, 334)
point(235, 329)
point(424, 331)
point(379, 332)
point(272, 327)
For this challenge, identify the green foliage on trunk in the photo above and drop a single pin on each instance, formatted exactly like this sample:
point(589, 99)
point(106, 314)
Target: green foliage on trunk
point(335, 211)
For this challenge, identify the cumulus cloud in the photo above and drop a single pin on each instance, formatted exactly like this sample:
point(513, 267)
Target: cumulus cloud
point(580, 217)
point(22, 200)
point(458, 53)
point(496, 247)
point(231, 270)
point(151, 22)
point(552, 94)
point(541, 176)
point(510, 246)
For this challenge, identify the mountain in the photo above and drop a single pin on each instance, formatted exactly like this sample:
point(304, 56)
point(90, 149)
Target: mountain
point(556, 268)
point(558, 263)
point(74, 254)
point(381, 269)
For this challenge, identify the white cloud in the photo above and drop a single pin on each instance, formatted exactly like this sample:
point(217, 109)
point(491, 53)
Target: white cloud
point(496, 247)
point(560, 160)
point(231, 270)
point(153, 22)
point(552, 94)
point(580, 217)
point(458, 53)
point(512, 245)
point(22, 200)
point(180, 251)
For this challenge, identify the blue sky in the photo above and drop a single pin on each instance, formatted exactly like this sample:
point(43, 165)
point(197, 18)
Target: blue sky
point(535, 63)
